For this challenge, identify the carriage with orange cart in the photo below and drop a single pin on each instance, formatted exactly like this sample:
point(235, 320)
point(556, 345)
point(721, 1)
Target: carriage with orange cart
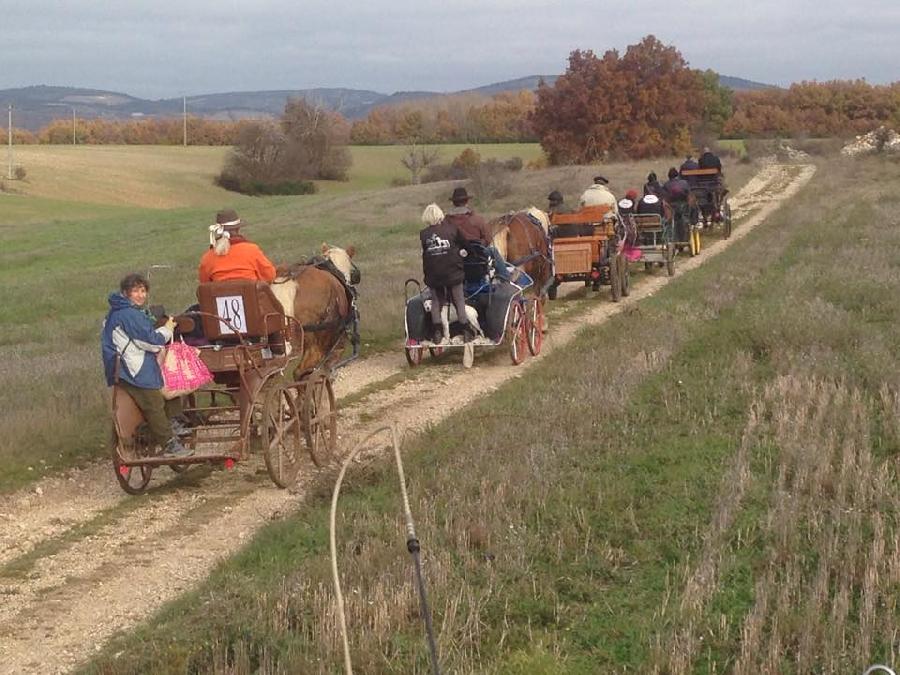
point(260, 395)
point(586, 248)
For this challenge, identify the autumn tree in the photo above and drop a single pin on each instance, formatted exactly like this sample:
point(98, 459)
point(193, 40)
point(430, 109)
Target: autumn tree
point(643, 103)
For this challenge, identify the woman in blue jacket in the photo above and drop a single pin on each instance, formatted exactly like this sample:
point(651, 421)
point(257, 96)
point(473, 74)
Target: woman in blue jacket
point(130, 343)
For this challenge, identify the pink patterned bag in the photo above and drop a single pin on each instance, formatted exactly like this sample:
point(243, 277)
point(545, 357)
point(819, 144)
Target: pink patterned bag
point(182, 370)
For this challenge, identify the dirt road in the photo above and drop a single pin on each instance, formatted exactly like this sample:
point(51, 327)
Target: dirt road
point(80, 560)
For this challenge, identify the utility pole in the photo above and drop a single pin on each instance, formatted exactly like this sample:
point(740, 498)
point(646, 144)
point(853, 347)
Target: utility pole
point(73, 126)
point(184, 121)
point(9, 150)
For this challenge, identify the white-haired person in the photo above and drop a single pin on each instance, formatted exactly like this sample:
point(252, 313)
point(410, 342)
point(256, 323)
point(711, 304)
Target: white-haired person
point(442, 266)
point(231, 255)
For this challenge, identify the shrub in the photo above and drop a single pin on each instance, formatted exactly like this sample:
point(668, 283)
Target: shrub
point(20, 173)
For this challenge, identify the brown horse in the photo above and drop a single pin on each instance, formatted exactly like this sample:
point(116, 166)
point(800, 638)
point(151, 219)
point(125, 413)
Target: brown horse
point(523, 240)
point(321, 303)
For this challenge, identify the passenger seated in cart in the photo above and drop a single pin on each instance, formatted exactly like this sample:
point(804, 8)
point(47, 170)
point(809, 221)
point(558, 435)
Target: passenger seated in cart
point(652, 186)
point(442, 265)
point(599, 194)
point(651, 204)
point(129, 343)
point(474, 229)
point(710, 161)
point(555, 204)
point(231, 255)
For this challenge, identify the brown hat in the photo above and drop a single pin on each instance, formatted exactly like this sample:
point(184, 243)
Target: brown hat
point(459, 195)
point(228, 219)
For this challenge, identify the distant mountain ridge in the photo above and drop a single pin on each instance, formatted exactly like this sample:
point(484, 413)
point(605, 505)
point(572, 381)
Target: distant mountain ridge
point(37, 106)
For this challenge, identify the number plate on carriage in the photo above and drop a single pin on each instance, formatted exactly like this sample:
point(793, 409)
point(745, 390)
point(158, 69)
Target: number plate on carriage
point(231, 308)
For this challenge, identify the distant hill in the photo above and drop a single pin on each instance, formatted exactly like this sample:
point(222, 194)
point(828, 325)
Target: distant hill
point(35, 107)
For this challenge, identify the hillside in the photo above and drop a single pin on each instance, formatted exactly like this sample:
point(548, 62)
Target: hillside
point(37, 106)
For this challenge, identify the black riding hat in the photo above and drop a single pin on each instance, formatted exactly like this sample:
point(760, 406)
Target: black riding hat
point(555, 197)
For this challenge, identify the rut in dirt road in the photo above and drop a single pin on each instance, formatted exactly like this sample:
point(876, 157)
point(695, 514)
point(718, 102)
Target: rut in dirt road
point(79, 560)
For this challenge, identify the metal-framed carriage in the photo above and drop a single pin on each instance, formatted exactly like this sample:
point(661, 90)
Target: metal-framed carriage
point(711, 196)
point(257, 396)
point(505, 315)
point(653, 238)
point(586, 247)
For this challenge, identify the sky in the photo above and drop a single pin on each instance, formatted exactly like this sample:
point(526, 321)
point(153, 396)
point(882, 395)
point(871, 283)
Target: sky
point(161, 49)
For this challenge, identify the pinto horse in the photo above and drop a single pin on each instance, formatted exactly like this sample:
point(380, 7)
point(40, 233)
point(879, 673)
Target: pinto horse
point(523, 240)
point(323, 304)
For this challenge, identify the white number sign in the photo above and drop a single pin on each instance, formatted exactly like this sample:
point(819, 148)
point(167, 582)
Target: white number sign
point(231, 308)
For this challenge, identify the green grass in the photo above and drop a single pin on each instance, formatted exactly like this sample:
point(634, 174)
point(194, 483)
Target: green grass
point(60, 258)
point(562, 516)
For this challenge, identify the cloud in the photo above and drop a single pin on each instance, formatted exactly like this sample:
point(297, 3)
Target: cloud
point(161, 48)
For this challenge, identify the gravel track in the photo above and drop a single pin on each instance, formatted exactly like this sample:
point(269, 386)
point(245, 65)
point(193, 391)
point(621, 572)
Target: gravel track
point(90, 560)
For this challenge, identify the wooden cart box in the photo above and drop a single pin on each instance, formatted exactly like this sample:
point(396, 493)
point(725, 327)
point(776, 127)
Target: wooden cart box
point(573, 258)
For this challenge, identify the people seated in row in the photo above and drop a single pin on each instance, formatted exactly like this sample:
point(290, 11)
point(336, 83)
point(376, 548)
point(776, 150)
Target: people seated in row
point(442, 266)
point(231, 255)
point(474, 229)
point(129, 343)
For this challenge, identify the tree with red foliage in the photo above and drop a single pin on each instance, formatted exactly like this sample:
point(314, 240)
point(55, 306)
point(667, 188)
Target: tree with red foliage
point(642, 104)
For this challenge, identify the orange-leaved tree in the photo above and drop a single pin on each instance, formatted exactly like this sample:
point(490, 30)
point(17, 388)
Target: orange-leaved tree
point(641, 104)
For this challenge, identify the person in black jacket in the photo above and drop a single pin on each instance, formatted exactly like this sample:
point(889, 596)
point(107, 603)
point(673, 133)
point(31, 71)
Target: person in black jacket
point(442, 266)
point(677, 192)
point(652, 186)
point(709, 161)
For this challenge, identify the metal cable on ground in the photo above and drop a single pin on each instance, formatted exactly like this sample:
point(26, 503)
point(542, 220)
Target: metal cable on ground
point(412, 545)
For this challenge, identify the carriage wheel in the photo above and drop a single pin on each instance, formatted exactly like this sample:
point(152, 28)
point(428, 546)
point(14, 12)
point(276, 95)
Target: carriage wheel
point(281, 433)
point(535, 326)
point(726, 219)
point(132, 479)
point(413, 355)
point(319, 414)
point(518, 335)
point(615, 279)
point(670, 259)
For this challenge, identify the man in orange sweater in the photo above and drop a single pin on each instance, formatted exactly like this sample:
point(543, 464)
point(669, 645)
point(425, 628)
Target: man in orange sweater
point(231, 256)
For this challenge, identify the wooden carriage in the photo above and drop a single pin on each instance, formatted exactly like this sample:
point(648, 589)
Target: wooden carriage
point(711, 197)
point(586, 248)
point(253, 351)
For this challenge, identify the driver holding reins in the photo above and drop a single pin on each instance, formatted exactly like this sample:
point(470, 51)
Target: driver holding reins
point(231, 255)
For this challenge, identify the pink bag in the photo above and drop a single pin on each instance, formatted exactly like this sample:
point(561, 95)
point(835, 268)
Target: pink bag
point(182, 370)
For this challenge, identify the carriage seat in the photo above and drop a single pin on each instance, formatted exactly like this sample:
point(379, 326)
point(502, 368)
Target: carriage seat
point(248, 305)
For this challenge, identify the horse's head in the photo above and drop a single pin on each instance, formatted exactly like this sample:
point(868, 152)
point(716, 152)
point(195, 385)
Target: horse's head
point(342, 260)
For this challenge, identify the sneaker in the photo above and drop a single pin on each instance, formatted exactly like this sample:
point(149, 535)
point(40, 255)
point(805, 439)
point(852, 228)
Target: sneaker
point(174, 448)
point(179, 429)
point(469, 333)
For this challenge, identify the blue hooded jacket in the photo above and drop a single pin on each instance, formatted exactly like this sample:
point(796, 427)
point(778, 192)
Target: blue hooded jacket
point(129, 336)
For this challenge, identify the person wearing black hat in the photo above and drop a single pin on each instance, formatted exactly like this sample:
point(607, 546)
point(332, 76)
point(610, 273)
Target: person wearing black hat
point(599, 194)
point(555, 204)
point(474, 229)
point(231, 255)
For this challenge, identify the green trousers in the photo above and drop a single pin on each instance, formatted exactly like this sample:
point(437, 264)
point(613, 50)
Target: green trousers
point(157, 410)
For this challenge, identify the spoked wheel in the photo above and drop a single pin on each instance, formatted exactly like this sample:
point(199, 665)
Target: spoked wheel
point(518, 334)
point(413, 355)
point(615, 279)
point(726, 219)
point(281, 433)
point(132, 479)
point(535, 326)
point(625, 276)
point(670, 259)
point(319, 413)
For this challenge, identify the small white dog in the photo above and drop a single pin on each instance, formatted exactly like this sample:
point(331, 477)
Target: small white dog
point(448, 316)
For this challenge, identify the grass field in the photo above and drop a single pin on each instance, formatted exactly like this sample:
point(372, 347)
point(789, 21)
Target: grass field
point(708, 483)
point(59, 259)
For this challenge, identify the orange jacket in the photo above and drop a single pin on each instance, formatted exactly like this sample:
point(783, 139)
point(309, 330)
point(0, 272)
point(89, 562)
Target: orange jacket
point(244, 260)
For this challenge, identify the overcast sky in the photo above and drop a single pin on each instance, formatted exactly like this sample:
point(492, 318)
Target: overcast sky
point(160, 48)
